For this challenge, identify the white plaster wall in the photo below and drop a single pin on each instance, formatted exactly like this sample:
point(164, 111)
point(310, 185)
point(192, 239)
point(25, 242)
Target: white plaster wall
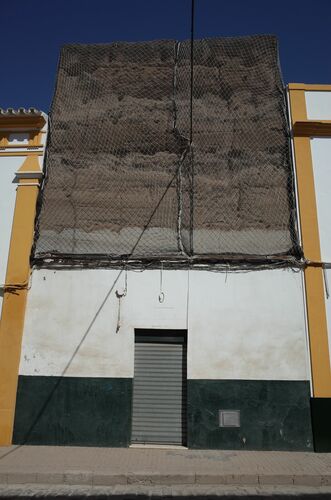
point(8, 166)
point(321, 156)
point(318, 105)
point(253, 326)
point(240, 326)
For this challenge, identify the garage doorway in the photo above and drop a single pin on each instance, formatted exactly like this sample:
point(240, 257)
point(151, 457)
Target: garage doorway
point(159, 387)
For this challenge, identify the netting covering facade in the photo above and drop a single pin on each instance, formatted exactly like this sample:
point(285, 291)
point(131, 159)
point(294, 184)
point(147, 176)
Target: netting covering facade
point(123, 178)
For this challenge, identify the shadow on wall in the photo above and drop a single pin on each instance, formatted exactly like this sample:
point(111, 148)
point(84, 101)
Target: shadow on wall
point(49, 416)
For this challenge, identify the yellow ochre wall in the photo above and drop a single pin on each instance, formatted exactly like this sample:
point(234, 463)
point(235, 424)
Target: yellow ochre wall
point(16, 284)
point(303, 129)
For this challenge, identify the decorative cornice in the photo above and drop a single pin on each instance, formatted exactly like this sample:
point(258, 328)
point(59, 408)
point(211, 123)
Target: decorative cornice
point(10, 112)
point(29, 174)
point(312, 128)
point(11, 119)
point(309, 87)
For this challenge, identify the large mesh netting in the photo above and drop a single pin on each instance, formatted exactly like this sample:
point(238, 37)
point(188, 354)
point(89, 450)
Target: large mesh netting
point(145, 162)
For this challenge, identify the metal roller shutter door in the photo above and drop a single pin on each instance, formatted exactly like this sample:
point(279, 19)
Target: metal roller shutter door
point(159, 393)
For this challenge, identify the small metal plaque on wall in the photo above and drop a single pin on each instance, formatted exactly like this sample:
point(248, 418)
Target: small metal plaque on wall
point(229, 418)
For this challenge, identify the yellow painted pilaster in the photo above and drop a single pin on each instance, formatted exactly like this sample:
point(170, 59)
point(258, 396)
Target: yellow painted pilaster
point(14, 301)
point(314, 280)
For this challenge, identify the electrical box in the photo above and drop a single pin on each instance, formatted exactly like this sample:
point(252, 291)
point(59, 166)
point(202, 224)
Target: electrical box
point(229, 418)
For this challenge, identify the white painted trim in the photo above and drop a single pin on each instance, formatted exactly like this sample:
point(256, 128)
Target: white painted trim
point(294, 168)
point(304, 297)
point(28, 184)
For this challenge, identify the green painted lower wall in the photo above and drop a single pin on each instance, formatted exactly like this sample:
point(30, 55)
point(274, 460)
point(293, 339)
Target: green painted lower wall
point(321, 419)
point(275, 415)
point(73, 411)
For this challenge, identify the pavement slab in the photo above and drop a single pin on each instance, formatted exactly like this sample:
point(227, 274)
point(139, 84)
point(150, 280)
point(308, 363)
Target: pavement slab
point(152, 467)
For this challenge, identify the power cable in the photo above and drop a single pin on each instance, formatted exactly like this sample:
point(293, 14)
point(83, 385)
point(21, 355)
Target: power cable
point(192, 68)
point(191, 129)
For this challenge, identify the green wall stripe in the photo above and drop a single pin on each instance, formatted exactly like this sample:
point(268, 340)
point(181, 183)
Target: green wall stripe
point(73, 411)
point(321, 419)
point(275, 415)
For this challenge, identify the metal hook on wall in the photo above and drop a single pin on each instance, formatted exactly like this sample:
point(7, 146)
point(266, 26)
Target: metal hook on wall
point(120, 293)
point(161, 294)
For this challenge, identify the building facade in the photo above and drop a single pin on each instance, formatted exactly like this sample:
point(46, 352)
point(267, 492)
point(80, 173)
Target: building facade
point(220, 357)
point(22, 141)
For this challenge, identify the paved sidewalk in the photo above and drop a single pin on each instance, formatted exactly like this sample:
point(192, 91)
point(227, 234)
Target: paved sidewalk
point(96, 467)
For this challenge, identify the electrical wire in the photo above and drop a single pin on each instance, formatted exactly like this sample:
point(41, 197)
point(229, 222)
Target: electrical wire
point(192, 69)
point(191, 130)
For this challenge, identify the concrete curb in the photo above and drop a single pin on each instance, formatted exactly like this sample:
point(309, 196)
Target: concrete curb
point(89, 478)
point(125, 492)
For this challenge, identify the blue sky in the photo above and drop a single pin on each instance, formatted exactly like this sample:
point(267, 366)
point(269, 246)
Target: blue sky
point(31, 35)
